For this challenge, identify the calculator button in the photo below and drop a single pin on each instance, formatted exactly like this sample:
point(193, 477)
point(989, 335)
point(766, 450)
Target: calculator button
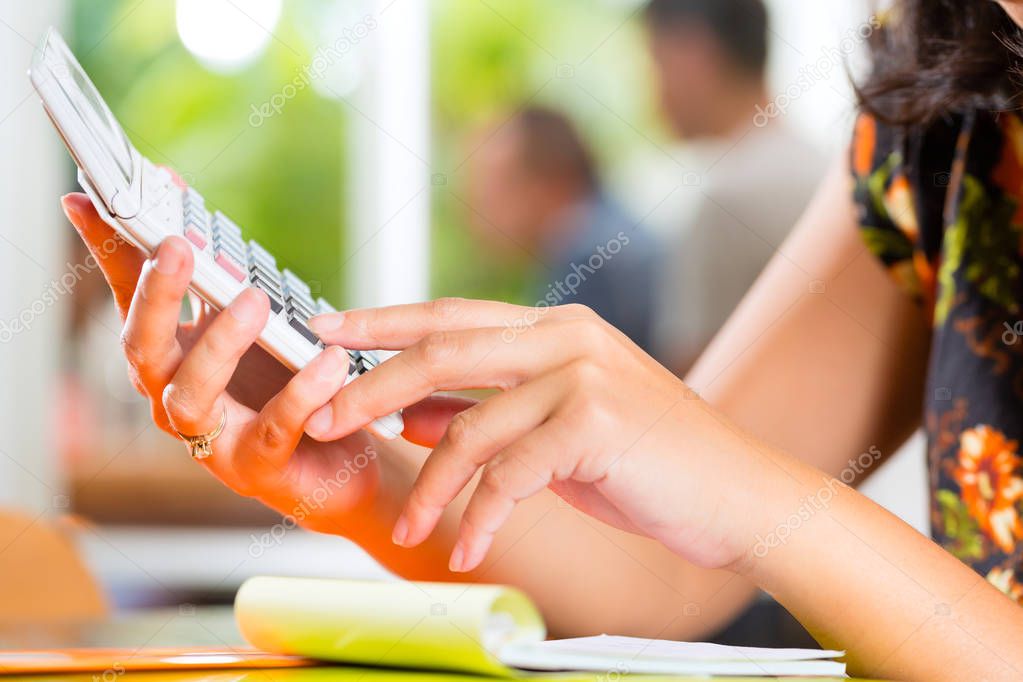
point(223, 241)
point(276, 299)
point(230, 265)
point(260, 255)
point(225, 224)
point(307, 307)
point(355, 367)
point(276, 305)
point(295, 313)
point(294, 282)
point(268, 276)
point(269, 287)
point(196, 237)
point(196, 224)
point(264, 279)
point(272, 290)
point(193, 198)
point(300, 326)
point(235, 251)
point(323, 307)
point(300, 301)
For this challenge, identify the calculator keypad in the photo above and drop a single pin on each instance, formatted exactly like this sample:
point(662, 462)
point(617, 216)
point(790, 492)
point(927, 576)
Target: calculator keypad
point(220, 239)
point(229, 251)
point(196, 219)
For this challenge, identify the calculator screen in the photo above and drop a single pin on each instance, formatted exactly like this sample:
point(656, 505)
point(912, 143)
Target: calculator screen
point(91, 108)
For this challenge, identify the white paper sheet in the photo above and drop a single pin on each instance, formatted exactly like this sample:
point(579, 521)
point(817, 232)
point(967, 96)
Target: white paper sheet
point(656, 656)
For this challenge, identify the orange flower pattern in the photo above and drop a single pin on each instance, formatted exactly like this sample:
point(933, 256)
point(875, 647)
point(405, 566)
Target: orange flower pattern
point(987, 475)
point(942, 207)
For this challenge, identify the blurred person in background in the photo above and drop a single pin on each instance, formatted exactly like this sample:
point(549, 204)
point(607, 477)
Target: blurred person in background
point(755, 175)
point(534, 185)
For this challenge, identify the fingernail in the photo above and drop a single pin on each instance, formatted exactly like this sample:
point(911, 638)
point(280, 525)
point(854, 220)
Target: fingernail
point(400, 533)
point(246, 308)
point(167, 261)
point(320, 422)
point(457, 558)
point(325, 324)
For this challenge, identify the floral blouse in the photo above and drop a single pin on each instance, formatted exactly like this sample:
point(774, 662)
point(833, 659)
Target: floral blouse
point(942, 208)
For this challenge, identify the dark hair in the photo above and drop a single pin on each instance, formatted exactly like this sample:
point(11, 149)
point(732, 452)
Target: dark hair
point(551, 145)
point(935, 57)
point(739, 26)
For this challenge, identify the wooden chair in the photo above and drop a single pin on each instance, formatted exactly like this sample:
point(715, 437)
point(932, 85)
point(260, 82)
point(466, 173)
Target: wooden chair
point(42, 578)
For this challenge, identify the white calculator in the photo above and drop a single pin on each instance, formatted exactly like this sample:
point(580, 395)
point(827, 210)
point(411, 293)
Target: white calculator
point(145, 204)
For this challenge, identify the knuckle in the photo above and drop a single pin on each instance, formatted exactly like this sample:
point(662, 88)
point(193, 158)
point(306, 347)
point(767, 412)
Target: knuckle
point(462, 428)
point(593, 413)
point(447, 308)
point(494, 479)
point(577, 310)
point(437, 348)
point(136, 356)
point(270, 435)
point(178, 401)
point(590, 333)
point(585, 374)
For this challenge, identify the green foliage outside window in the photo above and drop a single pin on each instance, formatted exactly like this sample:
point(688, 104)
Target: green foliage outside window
point(284, 180)
point(281, 180)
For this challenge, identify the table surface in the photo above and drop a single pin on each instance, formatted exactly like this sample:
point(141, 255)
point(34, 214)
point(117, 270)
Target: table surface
point(215, 627)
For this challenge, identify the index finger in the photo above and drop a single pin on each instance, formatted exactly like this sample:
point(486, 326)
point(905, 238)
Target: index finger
point(399, 326)
point(120, 262)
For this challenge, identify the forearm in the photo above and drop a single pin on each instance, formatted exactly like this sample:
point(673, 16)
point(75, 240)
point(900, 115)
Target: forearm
point(860, 579)
point(586, 577)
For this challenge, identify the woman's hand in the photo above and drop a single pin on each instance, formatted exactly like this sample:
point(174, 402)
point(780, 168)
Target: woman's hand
point(192, 373)
point(582, 410)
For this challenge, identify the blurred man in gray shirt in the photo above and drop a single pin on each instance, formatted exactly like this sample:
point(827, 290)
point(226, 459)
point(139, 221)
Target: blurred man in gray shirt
point(534, 183)
point(752, 175)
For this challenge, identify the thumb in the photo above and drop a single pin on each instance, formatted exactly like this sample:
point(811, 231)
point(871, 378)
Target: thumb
point(120, 262)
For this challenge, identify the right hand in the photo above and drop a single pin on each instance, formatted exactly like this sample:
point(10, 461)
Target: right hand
point(188, 373)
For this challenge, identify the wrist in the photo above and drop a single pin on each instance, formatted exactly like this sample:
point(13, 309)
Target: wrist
point(795, 499)
point(738, 489)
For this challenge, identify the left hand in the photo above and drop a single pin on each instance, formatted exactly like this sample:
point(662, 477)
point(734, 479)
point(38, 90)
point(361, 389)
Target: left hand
point(582, 410)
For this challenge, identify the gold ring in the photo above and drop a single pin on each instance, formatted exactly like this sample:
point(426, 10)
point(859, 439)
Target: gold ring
point(200, 447)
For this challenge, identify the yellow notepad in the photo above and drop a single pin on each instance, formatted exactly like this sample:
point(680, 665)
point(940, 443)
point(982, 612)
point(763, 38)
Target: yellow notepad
point(481, 629)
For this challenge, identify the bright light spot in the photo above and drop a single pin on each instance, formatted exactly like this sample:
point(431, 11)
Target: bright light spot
point(342, 35)
point(225, 35)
